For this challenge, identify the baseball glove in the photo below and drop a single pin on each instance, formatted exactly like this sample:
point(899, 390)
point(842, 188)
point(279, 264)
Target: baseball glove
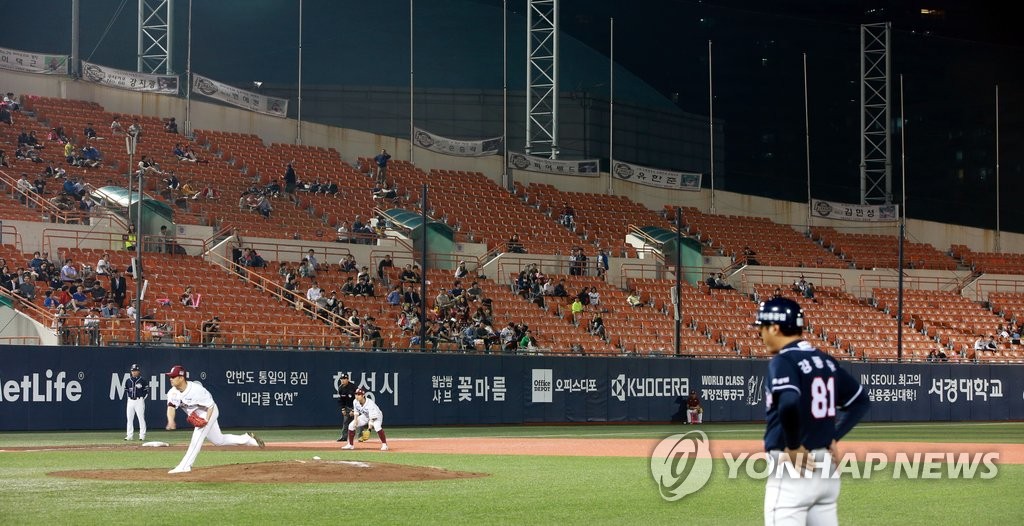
point(197, 420)
point(365, 436)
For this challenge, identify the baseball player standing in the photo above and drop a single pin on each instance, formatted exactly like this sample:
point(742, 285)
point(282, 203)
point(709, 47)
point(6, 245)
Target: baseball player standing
point(202, 412)
point(805, 387)
point(346, 395)
point(136, 390)
point(366, 414)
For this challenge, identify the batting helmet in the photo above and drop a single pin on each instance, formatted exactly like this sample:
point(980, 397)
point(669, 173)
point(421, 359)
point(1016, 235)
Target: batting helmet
point(783, 312)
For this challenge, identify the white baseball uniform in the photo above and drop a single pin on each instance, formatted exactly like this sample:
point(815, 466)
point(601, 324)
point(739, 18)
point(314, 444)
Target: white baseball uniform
point(367, 413)
point(196, 399)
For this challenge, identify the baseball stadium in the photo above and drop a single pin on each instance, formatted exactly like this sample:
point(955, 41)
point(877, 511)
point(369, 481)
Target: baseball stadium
point(511, 261)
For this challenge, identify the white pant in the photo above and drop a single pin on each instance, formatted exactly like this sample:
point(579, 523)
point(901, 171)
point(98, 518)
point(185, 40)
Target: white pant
point(802, 500)
point(362, 420)
point(212, 432)
point(694, 416)
point(135, 408)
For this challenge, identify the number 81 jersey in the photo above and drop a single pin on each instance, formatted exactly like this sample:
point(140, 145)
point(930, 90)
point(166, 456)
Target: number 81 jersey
point(823, 387)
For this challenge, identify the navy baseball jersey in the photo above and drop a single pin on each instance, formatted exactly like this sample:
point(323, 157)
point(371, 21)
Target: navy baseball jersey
point(823, 388)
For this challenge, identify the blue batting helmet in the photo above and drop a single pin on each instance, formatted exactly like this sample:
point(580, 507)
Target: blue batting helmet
point(783, 312)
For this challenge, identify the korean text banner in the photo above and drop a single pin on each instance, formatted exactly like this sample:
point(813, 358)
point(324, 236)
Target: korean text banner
point(241, 98)
point(850, 212)
point(130, 80)
point(29, 62)
point(648, 176)
point(530, 163)
point(458, 148)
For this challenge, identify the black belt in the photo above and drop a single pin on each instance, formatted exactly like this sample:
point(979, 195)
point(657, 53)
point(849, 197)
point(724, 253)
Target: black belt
point(135, 397)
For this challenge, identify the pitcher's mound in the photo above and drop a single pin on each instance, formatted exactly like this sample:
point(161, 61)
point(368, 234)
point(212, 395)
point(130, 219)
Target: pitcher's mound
point(281, 472)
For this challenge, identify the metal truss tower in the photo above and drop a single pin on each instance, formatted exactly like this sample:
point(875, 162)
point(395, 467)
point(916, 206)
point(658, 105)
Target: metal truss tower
point(156, 32)
point(875, 118)
point(542, 78)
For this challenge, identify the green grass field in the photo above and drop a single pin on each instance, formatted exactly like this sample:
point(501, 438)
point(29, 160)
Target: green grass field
point(520, 489)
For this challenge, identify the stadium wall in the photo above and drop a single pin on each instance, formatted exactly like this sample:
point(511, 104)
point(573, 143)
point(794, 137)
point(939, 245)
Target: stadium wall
point(54, 388)
point(353, 144)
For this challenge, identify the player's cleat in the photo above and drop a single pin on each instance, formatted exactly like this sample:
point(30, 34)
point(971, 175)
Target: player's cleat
point(340, 439)
point(348, 446)
point(179, 469)
point(142, 439)
point(384, 448)
point(259, 441)
point(127, 439)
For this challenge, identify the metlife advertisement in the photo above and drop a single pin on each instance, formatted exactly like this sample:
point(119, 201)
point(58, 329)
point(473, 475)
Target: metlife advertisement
point(47, 388)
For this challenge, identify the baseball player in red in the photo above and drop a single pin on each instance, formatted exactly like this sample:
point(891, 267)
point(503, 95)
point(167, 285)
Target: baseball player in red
point(366, 413)
point(804, 388)
point(202, 412)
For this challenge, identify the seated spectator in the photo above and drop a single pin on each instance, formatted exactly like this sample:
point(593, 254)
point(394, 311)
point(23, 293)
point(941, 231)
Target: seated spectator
point(349, 287)
point(344, 236)
point(68, 272)
point(347, 263)
point(39, 185)
point(329, 188)
point(407, 275)
point(721, 284)
point(170, 126)
point(306, 270)
point(634, 299)
point(209, 330)
point(263, 206)
point(11, 102)
point(991, 344)
point(135, 129)
point(26, 287)
point(54, 171)
point(514, 245)
point(110, 310)
point(596, 326)
point(181, 154)
point(394, 296)
point(799, 285)
point(115, 126)
point(528, 341)
point(809, 291)
point(148, 166)
point(24, 188)
point(79, 299)
point(90, 132)
point(560, 291)
point(568, 215)
point(595, 297)
point(577, 311)
point(188, 191)
point(189, 298)
point(92, 157)
point(385, 192)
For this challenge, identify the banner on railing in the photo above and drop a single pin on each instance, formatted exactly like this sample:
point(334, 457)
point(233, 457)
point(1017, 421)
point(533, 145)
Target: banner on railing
point(646, 175)
point(29, 62)
point(238, 97)
point(530, 163)
point(130, 80)
point(851, 212)
point(456, 147)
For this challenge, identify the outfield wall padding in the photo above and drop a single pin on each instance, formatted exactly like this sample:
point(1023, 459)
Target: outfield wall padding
point(52, 388)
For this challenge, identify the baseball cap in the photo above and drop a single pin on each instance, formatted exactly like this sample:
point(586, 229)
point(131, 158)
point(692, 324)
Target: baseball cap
point(343, 377)
point(135, 367)
point(360, 391)
point(176, 371)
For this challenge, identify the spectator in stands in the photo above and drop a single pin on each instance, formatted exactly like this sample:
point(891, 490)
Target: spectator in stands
point(777, 293)
point(602, 263)
point(117, 287)
point(54, 171)
point(313, 263)
point(3, 159)
point(148, 166)
point(90, 132)
point(27, 153)
point(115, 125)
point(528, 341)
point(68, 272)
point(330, 188)
point(314, 292)
point(407, 275)
point(577, 311)
point(189, 191)
point(103, 267)
point(135, 129)
point(290, 179)
point(39, 185)
point(750, 256)
point(92, 157)
point(595, 298)
point(170, 126)
point(568, 216)
point(799, 285)
point(381, 160)
point(98, 293)
point(710, 281)
point(383, 267)
point(25, 188)
point(990, 344)
point(596, 326)
point(385, 192)
point(809, 292)
point(264, 207)
point(79, 299)
point(721, 284)
point(189, 298)
point(109, 310)
point(305, 270)
point(209, 330)
point(5, 115)
point(343, 233)
point(634, 299)
point(181, 154)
